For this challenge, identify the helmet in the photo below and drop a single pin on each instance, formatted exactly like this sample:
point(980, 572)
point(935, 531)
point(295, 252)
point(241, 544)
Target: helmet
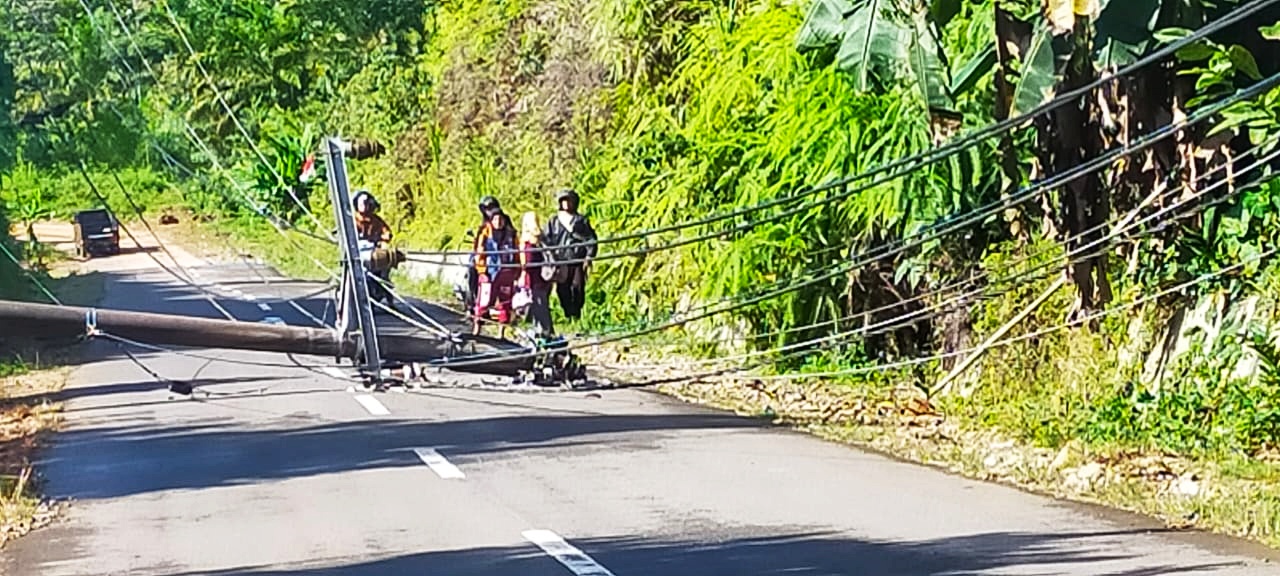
point(364, 201)
point(488, 205)
point(567, 194)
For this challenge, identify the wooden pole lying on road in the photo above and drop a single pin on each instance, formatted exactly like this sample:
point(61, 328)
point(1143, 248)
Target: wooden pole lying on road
point(44, 320)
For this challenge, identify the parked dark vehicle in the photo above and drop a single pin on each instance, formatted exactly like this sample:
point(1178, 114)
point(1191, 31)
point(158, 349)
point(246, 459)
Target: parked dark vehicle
point(97, 234)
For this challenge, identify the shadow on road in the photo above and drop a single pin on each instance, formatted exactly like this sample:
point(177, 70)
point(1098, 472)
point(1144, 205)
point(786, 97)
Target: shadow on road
point(802, 554)
point(121, 461)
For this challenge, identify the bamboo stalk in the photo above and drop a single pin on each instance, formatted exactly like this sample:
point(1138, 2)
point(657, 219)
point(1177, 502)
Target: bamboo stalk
point(945, 384)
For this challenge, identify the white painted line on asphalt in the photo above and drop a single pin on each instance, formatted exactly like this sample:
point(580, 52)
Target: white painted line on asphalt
point(334, 373)
point(439, 464)
point(574, 559)
point(372, 405)
point(263, 306)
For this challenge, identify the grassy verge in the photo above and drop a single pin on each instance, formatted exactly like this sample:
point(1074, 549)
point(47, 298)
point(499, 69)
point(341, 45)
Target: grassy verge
point(1075, 413)
point(1225, 493)
point(30, 376)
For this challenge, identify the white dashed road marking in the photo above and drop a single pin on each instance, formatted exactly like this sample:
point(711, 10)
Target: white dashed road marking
point(572, 558)
point(273, 320)
point(372, 405)
point(264, 307)
point(439, 464)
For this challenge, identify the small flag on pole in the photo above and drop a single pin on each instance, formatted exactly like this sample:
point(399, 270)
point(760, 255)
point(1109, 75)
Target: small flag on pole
point(308, 170)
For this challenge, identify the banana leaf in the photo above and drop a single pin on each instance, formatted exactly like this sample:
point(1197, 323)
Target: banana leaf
point(824, 25)
point(1040, 72)
point(881, 42)
point(1124, 31)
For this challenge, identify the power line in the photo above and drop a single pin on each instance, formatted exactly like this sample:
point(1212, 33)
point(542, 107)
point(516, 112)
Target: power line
point(439, 329)
point(262, 210)
point(1083, 252)
point(84, 173)
point(1058, 102)
point(1035, 334)
point(719, 373)
point(223, 102)
point(1029, 257)
point(919, 160)
point(36, 281)
point(177, 27)
point(199, 142)
point(932, 232)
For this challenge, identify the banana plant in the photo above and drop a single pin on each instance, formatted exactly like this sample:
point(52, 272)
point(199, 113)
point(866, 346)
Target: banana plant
point(30, 206)
point(1115, 33)
point(277, 184)
point(884, 43)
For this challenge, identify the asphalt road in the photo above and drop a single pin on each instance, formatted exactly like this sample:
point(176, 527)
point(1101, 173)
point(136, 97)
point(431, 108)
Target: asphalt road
point(288, 470)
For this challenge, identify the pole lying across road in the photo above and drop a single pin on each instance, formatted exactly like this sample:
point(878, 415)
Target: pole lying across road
point(24, 319)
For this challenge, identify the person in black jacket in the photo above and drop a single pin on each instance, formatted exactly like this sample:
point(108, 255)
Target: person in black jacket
point(570, 239)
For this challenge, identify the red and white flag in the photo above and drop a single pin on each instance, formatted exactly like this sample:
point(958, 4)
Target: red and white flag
point(308, 170)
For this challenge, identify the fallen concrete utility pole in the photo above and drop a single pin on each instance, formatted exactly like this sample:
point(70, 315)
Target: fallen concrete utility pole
point(18, 319)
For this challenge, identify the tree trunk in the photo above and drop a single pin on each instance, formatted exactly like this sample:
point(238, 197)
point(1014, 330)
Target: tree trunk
point(1012, 39)
point(1073, 137)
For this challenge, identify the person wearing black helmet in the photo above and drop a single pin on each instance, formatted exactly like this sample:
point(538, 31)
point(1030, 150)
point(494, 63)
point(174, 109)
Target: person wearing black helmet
point(488, 206)
point(571, 242)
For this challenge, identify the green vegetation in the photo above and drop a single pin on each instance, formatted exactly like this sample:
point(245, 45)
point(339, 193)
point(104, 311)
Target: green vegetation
point(1163, 339)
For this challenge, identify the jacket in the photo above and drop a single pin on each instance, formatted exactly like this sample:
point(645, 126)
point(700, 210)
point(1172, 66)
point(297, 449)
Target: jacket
point(496, 252)
point(580, 235)
point(372, 228)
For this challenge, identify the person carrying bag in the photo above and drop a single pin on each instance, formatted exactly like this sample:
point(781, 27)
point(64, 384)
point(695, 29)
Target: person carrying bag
point(570, 244)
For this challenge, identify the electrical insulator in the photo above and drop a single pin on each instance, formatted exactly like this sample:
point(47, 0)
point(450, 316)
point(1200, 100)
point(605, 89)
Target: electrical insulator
point(362, 149)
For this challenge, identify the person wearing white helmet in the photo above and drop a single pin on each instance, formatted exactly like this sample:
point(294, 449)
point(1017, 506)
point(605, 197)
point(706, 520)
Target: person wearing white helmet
point(370, 227)
point(373, 230)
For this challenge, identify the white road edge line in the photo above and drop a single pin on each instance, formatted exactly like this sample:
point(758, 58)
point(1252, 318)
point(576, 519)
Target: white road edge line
point(572, 558)
point(439, 464)
point(372, 405)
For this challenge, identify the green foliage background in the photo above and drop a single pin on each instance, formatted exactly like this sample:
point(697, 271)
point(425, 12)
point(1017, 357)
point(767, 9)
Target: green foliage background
point(663, 111)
